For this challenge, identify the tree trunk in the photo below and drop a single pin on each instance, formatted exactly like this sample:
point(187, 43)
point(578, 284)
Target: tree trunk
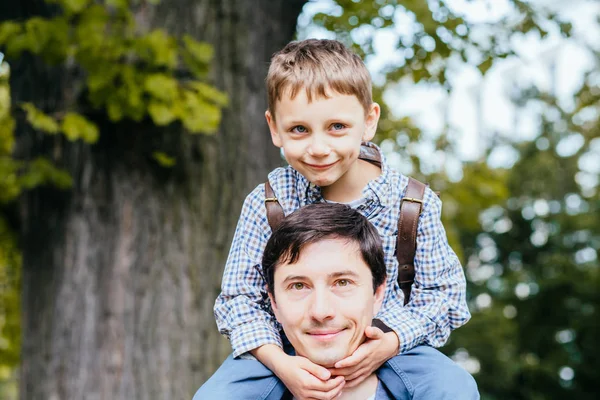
point(121, 272)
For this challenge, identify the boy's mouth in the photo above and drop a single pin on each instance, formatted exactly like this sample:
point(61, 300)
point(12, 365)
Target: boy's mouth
point(321, 166)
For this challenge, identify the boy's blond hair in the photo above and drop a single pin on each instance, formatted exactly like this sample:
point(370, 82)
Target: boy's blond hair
point(317, 65)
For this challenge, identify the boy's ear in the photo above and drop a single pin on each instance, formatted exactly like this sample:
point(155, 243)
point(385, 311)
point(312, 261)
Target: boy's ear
point(273, 128)
point(371, 122)
point(379, 295)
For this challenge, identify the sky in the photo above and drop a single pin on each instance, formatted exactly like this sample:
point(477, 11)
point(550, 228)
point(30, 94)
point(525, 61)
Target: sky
point(479, 108)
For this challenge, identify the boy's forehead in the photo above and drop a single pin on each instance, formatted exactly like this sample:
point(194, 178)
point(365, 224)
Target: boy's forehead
point(293, 101)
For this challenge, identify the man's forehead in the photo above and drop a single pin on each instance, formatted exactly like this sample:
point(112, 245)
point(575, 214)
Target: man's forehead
point(327, 258)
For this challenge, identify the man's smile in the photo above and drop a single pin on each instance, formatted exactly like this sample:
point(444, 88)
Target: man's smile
point(325, 334)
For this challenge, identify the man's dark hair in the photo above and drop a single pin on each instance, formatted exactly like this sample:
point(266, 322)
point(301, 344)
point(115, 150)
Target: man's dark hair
point(316, 222)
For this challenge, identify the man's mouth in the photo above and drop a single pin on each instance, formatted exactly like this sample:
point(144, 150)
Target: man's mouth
point(325, 334)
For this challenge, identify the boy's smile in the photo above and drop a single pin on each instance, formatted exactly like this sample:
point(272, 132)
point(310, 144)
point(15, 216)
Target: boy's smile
point(321, 139)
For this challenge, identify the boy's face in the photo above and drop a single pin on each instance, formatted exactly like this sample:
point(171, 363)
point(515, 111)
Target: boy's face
point(325, 301)
point(321, 139)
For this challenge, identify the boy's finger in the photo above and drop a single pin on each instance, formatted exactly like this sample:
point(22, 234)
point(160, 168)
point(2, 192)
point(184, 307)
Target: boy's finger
point(358, 375)
point(327, 386)
point(336, 391)
point(316, 370)
point(372, 332)
point(345, 372)
point(354, 359)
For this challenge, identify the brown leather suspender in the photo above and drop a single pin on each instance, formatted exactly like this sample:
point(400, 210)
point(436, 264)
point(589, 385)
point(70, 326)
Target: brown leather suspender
point(411, 206)
point(274, 209)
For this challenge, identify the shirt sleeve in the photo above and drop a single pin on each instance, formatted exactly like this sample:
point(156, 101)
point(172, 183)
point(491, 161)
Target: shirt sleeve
point(438, 297)
point(242, 308)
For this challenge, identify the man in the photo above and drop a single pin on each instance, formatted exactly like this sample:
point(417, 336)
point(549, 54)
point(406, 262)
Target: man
point(325, 274)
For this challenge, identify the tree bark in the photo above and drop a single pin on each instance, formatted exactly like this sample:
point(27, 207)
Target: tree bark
point(120, 273)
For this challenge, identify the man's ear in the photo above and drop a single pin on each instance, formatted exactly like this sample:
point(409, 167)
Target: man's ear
point(273, 303)
point(273, 128)
point(371, 121)
point(379, 295)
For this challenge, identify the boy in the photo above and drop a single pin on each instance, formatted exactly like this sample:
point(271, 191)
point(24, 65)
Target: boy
point(321, 114)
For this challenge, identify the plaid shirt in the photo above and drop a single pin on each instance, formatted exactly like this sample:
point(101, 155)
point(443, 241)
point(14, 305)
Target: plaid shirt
point(437, 304)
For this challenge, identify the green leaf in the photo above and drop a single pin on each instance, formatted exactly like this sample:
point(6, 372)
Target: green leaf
point(72, 6)
point(161, 86)
point(118, 4)
point(485, 65)
point(196, 56)
point(200, 51)
point(75, 127)
point(163, 159)
point(161, 113)
point(9, 29)
point(114, 109)
point(158, 48)
point(199, 116)
point(39, 120)
point(210, 93)
point(41, 171)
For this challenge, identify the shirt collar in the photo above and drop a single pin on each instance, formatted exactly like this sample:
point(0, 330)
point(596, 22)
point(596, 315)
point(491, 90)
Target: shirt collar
point(376, 191)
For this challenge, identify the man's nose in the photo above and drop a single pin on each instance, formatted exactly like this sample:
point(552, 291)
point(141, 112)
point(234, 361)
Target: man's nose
point(322, 307)
point(319, 146)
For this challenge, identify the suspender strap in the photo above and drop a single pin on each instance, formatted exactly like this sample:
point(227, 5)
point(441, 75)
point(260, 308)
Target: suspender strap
point(411, 206)
point(274, 210)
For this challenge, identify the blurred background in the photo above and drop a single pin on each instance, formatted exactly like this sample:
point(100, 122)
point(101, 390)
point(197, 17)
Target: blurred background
point(132, 130)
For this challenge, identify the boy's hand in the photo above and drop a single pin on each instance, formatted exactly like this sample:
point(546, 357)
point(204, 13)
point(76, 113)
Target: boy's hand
point(377, 349)
point(307, 380)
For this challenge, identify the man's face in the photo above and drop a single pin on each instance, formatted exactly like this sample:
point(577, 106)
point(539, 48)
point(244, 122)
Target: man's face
point(321, 139)
point(325, 300)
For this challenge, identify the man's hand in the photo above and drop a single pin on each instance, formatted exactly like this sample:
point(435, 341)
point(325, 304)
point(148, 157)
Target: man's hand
point(307, 380)
point(377, 349)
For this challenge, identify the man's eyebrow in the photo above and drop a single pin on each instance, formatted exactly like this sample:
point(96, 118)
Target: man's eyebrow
point(295, 278)
point(338, 274)
point(344, 273)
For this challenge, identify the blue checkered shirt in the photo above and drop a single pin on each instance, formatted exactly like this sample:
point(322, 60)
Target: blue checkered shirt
point(437, 304)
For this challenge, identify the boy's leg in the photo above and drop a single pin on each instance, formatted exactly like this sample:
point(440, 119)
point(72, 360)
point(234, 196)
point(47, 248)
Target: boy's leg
point(241, 379)
point(426, 373)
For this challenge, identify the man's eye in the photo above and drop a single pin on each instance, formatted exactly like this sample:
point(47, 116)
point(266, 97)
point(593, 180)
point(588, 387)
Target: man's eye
point(299, 129)
point(343, 282)
point(298, 286)
point(338, 126)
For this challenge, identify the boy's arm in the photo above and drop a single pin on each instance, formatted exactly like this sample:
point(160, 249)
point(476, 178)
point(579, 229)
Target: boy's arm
point(241, 307)
point(438, 298)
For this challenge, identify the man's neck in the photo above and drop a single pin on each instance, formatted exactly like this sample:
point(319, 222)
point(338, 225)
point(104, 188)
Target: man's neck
point(363, 391)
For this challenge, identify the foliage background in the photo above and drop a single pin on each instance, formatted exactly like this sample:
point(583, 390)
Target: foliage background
point(528, 233)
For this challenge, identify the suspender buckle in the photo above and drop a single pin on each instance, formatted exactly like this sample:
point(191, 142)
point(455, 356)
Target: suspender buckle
point(412, 200)
point(271, 200)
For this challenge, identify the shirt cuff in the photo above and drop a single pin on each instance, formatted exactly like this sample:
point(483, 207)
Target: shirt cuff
point(252, 335)
point(409, 328)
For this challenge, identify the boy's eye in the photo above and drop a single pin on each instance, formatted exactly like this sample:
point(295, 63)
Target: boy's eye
point(338, 126)
point(299, 129)
point(298, 286)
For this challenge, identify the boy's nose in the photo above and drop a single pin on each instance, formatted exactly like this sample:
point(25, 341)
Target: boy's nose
point(318, 147)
